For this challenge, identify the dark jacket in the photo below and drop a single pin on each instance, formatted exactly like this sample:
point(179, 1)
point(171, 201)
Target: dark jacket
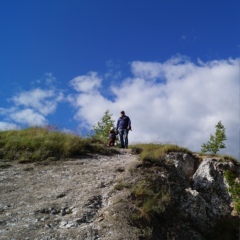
point(124, 123)
point(112, 134)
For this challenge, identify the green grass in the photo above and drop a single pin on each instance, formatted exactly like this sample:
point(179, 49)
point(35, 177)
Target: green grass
point(121, 185)
point(234, 188)
point(150, 199)
point(151, 195)
point(37, 144)
point(156, 152)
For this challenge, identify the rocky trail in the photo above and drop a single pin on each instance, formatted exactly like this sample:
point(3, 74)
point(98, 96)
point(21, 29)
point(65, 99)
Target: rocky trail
point(64, 200)
point(92, 198)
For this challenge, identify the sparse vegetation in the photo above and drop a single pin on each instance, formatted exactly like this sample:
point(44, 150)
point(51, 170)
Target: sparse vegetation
point(150, 198)
point(150, 195)
point(121, 185)
point(37, 144)
point(147, 232)
point(156, 152)
point(230, 158)
point(234, 188)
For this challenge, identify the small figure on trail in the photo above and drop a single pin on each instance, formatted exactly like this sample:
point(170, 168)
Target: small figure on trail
point(112, 137)
point(123, 127)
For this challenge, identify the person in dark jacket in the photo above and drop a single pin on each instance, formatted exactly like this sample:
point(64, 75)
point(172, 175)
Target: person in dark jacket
point(123, 127)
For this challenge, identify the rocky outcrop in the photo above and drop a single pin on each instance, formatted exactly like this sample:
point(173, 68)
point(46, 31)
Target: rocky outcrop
point(201, 205)
point(208, 200)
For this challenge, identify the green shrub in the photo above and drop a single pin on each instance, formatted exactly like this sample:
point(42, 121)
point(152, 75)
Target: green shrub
point(234, 188)
point(102, 128)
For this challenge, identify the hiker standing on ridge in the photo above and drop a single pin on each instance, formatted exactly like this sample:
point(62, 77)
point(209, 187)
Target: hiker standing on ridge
point(123, 126)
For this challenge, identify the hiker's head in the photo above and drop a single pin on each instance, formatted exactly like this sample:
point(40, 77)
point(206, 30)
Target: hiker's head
point(122, 113)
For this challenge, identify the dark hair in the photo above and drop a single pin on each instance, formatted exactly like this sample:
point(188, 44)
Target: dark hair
point(122, 112)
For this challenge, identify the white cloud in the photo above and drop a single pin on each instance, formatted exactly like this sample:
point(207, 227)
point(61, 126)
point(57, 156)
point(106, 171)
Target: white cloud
point(29, 117)
point(43, 101)
point(7, 126)
point(86, 83)
point(147, 70)
point(7, 111)
point(177, 101)
point(89, 107)
point(32, 107)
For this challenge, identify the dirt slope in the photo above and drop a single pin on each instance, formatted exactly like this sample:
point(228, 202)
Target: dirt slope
point(66, 200)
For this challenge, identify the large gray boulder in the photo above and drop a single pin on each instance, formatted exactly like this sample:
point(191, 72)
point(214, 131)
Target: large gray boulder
point(208, 200)
point(204, 200)
point(185, 163)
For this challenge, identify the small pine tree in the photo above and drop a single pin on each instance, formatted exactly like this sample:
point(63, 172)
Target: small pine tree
point(102, 128)
point(216, 142)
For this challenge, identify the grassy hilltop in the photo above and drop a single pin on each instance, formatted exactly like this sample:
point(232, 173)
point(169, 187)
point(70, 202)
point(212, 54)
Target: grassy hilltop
point(40, 144)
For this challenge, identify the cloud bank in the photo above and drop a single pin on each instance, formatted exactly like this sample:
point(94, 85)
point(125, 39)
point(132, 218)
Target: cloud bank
point(177, 101)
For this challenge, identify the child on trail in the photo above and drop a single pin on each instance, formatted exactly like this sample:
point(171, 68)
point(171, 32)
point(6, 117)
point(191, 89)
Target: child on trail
point(112, 137)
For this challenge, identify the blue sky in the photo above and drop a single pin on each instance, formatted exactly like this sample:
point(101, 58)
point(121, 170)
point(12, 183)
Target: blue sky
point(172, 66)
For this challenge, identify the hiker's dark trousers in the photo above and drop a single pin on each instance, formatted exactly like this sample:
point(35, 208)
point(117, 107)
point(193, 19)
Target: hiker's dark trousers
point(123, 134)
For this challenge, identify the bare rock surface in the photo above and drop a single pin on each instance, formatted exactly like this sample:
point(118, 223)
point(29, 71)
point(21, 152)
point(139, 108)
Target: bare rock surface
point(185, 163)
point(65, 200)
